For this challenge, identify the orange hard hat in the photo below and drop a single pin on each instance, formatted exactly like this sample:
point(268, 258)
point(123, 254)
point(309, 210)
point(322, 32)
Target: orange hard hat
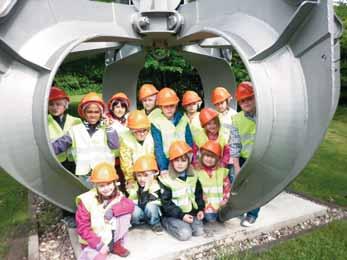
point(206, 115)
point(219, 94)
point(213, 147)
point(244, 90)
point(147, 90)
point(190, 97)
point(57, 93)
point(91, 97)
point(103, 172)
point(138, 119)
point(178, 148)
point(167, 97)
point(118, 96)
point(145, 163)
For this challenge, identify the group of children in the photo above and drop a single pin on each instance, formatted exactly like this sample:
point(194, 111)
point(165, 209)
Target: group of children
point(156, 166)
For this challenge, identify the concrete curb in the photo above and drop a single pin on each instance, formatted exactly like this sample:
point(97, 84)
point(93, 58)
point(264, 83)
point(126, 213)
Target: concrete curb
point(33, 240)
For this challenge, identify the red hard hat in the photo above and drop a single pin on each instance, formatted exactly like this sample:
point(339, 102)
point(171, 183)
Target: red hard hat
point(244, 90)
point(118, 96)
point(57, 93)
point(206, 115)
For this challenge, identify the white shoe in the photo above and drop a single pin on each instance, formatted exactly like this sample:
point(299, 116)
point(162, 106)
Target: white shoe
point(248, 221)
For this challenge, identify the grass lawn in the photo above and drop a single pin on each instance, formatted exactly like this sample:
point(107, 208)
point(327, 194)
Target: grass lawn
point(326, 175)
point(327, 243)
point(14, 217)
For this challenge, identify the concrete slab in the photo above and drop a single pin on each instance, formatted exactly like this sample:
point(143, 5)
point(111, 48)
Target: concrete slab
point(285, 210)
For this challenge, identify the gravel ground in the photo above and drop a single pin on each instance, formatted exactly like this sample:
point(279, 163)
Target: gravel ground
point(54, 242)
point(229, 245)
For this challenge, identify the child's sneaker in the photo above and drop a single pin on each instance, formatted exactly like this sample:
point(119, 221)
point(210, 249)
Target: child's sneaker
point(157, 228)
point(118, 249)
point(248, 221)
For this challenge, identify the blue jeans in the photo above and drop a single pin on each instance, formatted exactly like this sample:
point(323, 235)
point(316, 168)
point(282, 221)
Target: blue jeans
point(255, 212)
point(211, 217)
point(151, 215)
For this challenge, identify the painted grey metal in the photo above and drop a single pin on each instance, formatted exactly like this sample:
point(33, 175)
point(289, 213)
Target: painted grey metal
point(289, 47)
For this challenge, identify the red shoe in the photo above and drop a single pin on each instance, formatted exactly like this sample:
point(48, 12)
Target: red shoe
point(118, 249)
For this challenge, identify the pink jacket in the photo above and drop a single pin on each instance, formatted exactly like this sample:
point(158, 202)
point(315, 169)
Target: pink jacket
point(84, 229)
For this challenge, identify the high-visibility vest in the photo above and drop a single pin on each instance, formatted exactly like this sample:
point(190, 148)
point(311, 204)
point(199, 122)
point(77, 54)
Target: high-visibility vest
point(56, 132)
point(195, 125)
point(212, 187)
point(136, 149)
point(183, 192)
point(97, 213)
point(121, 129)
point(170, 132)
point(226, 118)
point(153, 188)
point(223, 137)
point(153, 113)
point(88, 150)
point(247, 130)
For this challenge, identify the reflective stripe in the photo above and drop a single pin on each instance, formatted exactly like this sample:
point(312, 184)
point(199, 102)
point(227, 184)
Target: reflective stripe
point(214, 190)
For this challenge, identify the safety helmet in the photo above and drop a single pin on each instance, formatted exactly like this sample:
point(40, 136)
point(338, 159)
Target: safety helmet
point(118, 96)
point(190, 97)
point(103, 172)
point(57, 93)
point(178, 148)
point(206, 115)
point(219, 94)
point(244, 90)
point(167, 97)
point(147, 90)
point(213, 147)
point(91, 97)
point(138, 119)
point(145, 163)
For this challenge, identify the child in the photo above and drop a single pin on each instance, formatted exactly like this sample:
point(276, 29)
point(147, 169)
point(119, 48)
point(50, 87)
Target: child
point(221, 100)
point(214, 180)
point(212, 130)
point(181, 195)
point(168, 126)
point(191, 103)
point(134, 143)
point(148, 96)
point(118, 108)
point(103, 216)
point(60, 122)
point(146, 193)
point(90, 141)
point(242, 136)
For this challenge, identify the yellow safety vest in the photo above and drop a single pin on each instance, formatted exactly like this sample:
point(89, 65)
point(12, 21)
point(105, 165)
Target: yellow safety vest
point(136, 150)
point(247, 130)
point(226, 118)
point(89, 151)
point(195, 125)
point(170, 132)
point(153, 188)
point(97, 213)
point(56, 132)
point(153, 114)
point(212, 186)
point(183, 192)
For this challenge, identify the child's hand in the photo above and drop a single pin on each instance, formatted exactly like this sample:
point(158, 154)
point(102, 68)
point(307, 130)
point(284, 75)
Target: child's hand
point(200, 215)
point(107, 121)
point(188, 218)
point(164, 173)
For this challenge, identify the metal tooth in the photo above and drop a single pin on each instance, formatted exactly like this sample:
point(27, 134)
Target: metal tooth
point(144, 22)
point(172, 22)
